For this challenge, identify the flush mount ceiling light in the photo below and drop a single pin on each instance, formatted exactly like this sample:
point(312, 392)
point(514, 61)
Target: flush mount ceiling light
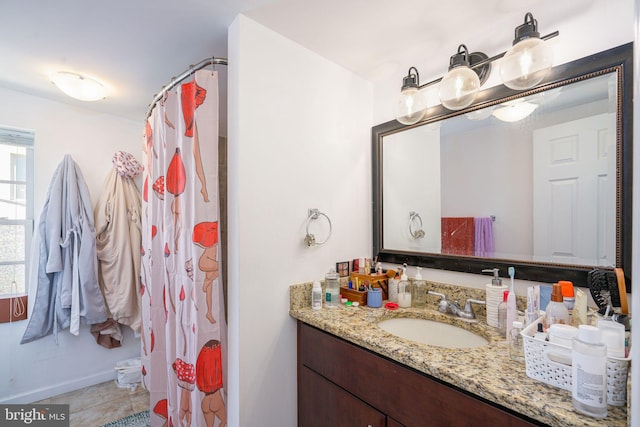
point(78, 86)
point(524, 66)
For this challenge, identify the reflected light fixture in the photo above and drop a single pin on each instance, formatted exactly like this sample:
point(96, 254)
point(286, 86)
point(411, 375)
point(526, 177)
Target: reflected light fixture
point(411, 104)
point(524, 66)
point(514, 111)
point(78, 86)
point(529, 60)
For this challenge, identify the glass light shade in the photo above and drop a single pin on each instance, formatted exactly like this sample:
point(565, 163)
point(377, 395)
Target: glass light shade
point(78, 86)
point(411, 106)
point(526, 64)
point(515, 112)
point(480, 114)
point(459, 88)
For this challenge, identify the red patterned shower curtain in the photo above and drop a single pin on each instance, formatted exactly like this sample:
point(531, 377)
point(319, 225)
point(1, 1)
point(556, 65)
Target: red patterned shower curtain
point(184, 336)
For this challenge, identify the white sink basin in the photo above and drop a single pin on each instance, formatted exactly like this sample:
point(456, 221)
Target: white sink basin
point(432, 333)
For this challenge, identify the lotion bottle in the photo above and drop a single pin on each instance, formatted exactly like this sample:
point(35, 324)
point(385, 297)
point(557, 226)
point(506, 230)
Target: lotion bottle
point(556, 311)
point(589, 372)
point(393, 287)
point(316, 296)
point(512, 312)
point(404, 291)
point(502, 314)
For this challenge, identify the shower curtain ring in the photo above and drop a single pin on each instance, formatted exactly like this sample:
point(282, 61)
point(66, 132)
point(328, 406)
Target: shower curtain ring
point(310, 239)
point(414, 218)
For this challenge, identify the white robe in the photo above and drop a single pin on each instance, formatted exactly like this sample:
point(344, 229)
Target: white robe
point(65, 266)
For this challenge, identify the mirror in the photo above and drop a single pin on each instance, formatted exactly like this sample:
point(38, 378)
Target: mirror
point(539, 179)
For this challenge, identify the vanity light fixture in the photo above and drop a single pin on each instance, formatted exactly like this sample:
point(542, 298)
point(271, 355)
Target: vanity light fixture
point(411, 105)
point(524, 66)
point(78, 86)
point(529, 59)
point(460, 86)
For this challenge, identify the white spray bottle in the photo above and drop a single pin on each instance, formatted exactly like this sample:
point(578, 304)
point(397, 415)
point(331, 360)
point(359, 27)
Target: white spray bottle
point(511, 305)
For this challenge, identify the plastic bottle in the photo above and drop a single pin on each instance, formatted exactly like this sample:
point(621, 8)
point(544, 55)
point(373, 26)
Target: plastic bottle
point(404, 291)
point(419, 290)
point(502, 314)
point(516, 345)
point(512, 312)
point(332, 289)
point(589, 372)
point(556, 311)
point(568, 295)
point(393, 288)
point(316, 296)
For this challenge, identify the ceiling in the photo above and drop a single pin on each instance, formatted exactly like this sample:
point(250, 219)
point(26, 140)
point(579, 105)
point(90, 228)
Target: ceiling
point(136, 47)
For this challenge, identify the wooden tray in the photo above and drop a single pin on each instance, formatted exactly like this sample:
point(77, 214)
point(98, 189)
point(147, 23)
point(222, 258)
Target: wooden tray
point(376, 280)
point(354, 295)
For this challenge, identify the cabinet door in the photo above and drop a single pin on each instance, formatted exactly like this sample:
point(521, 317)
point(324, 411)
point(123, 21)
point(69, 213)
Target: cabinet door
point(393, 423)
point(322, 404)
point(418, 400)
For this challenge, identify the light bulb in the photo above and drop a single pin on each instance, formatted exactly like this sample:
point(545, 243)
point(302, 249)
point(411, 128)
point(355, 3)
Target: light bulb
point(459, 88)
point(411, 106)
point(529, 60)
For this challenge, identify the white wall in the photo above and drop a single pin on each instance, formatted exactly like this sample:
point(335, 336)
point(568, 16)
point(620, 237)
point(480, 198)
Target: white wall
point(299, 136)
point(41, 369)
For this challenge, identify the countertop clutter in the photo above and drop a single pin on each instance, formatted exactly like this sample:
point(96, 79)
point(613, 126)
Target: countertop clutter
point(486, 372)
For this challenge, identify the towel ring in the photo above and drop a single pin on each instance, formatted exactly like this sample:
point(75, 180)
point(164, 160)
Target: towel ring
point(310, 239)
point(414, 218)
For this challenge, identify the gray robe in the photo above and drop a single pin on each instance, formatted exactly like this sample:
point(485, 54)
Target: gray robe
point(66, 274)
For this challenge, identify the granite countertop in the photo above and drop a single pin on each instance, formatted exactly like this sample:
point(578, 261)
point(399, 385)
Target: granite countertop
point(486, 371)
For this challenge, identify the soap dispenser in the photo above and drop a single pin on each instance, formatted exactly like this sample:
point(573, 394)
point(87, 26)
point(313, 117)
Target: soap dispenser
point(419, 291)
point(393, 286)
point(493, 296)
point(404, 290)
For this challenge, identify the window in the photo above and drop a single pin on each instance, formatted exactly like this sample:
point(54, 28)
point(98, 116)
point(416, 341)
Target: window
point(16, 209)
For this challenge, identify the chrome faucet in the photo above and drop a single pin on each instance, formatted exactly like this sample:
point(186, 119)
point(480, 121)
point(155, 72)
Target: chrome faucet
point(452, 307)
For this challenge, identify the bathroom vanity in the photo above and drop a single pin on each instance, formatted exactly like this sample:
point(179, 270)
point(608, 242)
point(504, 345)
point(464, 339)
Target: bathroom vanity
point(353, 373)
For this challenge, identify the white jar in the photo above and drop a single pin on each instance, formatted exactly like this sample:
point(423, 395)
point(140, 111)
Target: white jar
point(562, 334)
point(589, 373)
point(316, 296)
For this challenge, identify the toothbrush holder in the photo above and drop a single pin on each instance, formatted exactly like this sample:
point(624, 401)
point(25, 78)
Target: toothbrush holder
point(374, 297)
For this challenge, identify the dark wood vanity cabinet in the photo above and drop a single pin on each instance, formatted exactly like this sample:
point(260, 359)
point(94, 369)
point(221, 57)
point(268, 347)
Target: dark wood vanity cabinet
point(343, 385)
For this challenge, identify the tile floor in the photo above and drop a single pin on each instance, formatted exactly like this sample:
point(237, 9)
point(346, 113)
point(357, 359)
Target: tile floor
point(102, 403)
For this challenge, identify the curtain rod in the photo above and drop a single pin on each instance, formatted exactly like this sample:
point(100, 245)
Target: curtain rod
point(175, 80)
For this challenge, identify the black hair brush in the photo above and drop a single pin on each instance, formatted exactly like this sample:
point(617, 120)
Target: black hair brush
point(607, 288)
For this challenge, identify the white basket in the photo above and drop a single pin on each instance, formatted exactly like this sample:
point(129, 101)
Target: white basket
point(550, 363)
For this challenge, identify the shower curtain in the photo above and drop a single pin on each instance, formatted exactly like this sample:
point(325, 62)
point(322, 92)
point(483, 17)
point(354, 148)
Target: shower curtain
point(184, 329)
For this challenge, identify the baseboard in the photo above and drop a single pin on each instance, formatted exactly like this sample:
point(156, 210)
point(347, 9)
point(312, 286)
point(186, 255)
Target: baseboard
point(60, 388)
